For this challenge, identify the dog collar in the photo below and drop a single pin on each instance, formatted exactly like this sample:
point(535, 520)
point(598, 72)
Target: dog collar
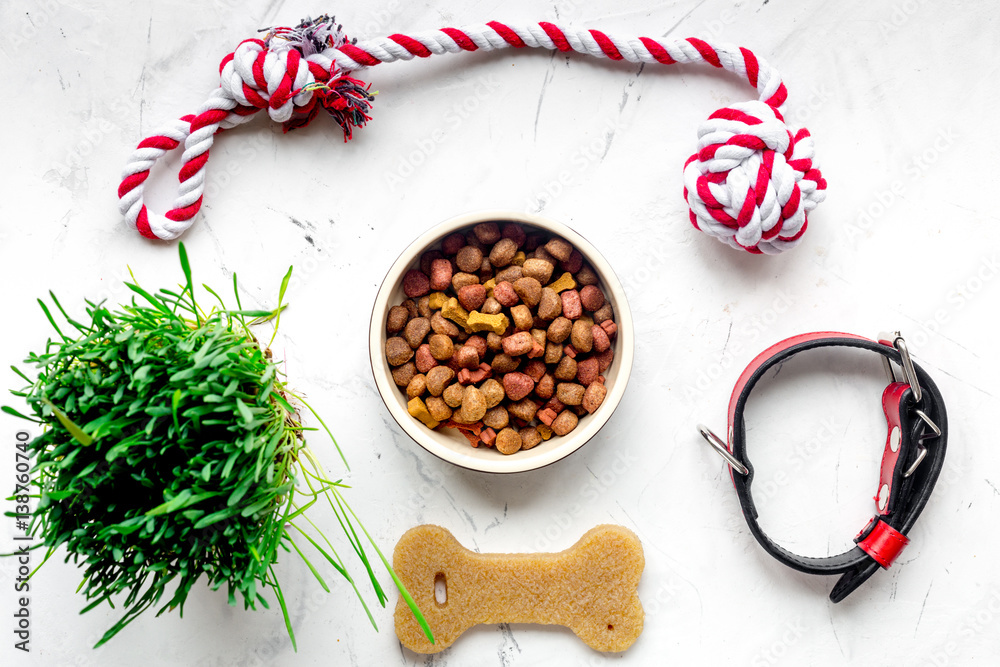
point(912, 460)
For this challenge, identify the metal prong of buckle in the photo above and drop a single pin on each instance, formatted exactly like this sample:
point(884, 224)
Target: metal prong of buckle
point(719, 446)
point(922, 451)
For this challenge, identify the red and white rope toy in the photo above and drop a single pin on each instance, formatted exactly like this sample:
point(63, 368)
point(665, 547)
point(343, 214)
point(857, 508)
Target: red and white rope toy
point(751, 183)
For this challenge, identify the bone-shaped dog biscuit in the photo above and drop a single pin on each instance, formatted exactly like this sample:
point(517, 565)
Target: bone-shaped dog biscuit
point(591, 588)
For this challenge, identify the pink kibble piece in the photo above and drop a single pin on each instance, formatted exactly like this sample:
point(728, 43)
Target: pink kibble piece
point(441, 272)
point(517, 385)
point(572, 308)
point(600, 336)
point(416, 283)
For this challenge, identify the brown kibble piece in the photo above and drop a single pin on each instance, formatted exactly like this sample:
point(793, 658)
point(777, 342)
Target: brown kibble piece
point(529, 437)
point(594, 396)
point(442, 348)
point(571, 306)
point(559, 330)
point(503, 252)
point(545, 387)
point(416, 283)
point(549, 304)
point(437, 408)
point(397, 319)
point(488, 233)
point(559, 248)
point(473, 404)
point(518, 343)
point(522, 317)
point(604, 313)
point(535, 369)
point(581, 336)
point(466, 357)
point(477, 343)
point(587, 276)
point(442, 325)
point(553, 352)
point(524, 409)
point(515, 233)
point(591, 297)
point(438, 379)
point(605, 358)
point(462, 279)
point(530, 291)
point(587, 371)
point(565, 422)
point(493, 391)
point(402, 375)
point(469, 259)
point(539, 269)
point(416, 330)
point(510, 274)
point(496, 418)
point(411, 308)
point(504, 363)
point(452, 243)
point(417, 386)
point(517, 385)
point(504, 293)
point(491, 306)
point(566, 370)
point(574, 263)
point(472, 296)
point(508, 441)
point(424, 306)
point(570, 393)
point(397, 351)
point(453, 394)
point(494, 341)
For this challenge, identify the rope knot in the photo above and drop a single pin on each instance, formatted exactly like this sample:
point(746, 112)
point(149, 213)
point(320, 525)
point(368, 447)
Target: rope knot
point(280, 74)
point(752, 181)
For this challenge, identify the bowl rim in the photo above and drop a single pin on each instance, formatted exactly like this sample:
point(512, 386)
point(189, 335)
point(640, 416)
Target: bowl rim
point(508, 464)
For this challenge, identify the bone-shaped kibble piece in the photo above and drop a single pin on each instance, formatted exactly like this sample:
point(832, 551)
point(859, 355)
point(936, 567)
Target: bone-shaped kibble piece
point(591, 588)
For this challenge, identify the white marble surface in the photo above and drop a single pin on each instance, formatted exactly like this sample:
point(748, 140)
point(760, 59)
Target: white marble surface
point(900, 98)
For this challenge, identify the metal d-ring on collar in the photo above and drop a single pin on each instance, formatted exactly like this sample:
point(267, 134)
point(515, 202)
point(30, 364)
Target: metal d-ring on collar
point(915, 414)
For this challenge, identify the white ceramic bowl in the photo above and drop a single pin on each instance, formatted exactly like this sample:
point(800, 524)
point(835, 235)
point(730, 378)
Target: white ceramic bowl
point(449, 444)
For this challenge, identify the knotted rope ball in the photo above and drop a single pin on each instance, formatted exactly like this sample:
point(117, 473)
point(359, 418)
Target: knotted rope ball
point(751, 183)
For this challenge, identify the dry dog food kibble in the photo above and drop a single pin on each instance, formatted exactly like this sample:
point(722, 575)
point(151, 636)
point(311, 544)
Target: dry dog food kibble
point(505, 334)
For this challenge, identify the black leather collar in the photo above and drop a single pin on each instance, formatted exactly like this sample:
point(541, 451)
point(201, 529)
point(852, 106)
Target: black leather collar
point(911, 464)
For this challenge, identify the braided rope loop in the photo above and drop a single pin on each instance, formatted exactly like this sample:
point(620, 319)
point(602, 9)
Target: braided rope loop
point(751, 183)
